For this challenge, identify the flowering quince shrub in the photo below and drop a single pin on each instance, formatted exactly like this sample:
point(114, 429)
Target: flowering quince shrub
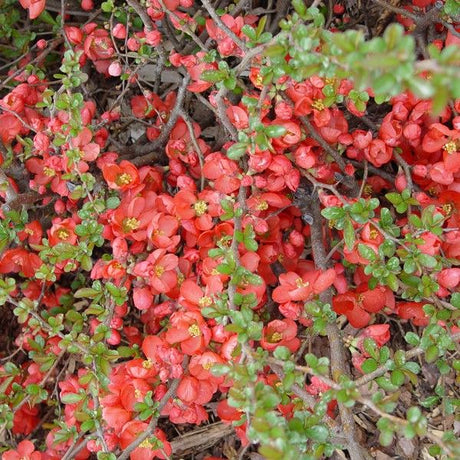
point(220, 219)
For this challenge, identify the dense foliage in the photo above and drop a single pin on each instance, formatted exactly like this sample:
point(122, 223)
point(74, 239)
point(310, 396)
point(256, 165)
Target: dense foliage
point(242, 216)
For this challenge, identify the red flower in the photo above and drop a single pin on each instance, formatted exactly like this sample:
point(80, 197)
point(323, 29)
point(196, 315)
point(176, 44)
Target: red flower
point(192, 390)
point(25, 451)
point(162, 231)
point(190, 330)
point(160, 270)
point(378, 153)
point(166, 360)
point(62, 231)
point(19, 260)
point(357, 305)
point(192, 296)
point(200, 366)
point(225, 45)
point(32, 231)
point(145, 451)
point(413, 311)
point(35, 7)
point(379, 332)
point(98, 45)
point(10, 127)
point(201, 208)
point(121, 177)
point(133, 216)
point(280, 333)
point(223, 172)
point(300, 288)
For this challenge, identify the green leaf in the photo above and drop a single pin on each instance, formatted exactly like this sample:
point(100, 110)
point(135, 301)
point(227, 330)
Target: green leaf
point(413, 414)
point(412, 339)
point(427, 260)
point(455, 299)
point(318, 433)
point(333, 213)
point(432, 353)
point(366, 252)
point(452, 8)
point(275, 130)
point(72, 398)
point(370, 365)
point(249, 32)
point(349, 234)
point(397, 377)
point(282, 353)
point(213, 76)
point(236, 151)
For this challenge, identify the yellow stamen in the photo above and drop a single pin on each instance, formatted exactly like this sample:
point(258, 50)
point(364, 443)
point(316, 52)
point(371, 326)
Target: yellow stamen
point(205, 301)
point(194, 330)
point(275, 337)
point(49, 172)
point(301, 283)
point(200, 207)
point(147, 364)
point(63, 234)
point(159, 270)
point(130, 223)
point(123, 179)
point(262, 206)
point(450, 147)
point(318, 104)
point(373, 234)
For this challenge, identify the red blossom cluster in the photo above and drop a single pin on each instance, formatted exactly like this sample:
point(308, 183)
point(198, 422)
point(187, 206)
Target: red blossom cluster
point(159, 240)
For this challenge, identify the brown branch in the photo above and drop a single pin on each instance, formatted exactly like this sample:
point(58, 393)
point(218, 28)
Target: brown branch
point(151, 151)
point(338, 358)
point(348, 181)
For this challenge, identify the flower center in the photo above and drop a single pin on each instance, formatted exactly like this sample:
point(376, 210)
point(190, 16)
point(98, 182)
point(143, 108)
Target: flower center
point(275, 337)
point(450, 147)
point(194, 330)
point(301, 283)
point(200, 207)
point(262, 206)
point(137, 393)
point(318, 104)
point(159, 270)
point(146, 444)
point(63, 234)
point(147, 364)
point(447, 208)
point(207, 365)
point(123, 179)
point(205, 301)
point(130, 223)
point(367, 190)
point(373, 234)
point(49, 172)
